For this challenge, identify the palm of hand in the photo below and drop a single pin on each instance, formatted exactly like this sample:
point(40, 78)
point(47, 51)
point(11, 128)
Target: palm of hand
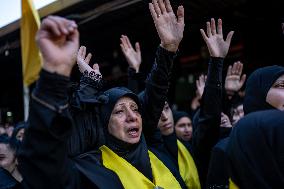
point(233, 83)
point(169, 30)
point(218, 47)
point(200, 90)
point(133, 57)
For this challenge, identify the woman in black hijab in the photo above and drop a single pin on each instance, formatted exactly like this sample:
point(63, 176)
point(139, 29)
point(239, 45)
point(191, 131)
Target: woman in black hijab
point(256, 150)
point(264, 89)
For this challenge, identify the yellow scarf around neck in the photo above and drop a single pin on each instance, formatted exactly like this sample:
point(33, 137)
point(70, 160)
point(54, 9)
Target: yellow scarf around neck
point(187, 168)
point(131, 178)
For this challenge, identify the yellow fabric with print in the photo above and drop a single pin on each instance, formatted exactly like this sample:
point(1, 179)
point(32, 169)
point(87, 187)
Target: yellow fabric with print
point(131, 178)
point(232, 185)
point(187, 168)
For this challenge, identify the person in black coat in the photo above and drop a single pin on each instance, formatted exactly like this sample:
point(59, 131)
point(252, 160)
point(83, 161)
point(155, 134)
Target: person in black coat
point(263, 91)
point(218, 176)
point(207, 121)
point(255, 151)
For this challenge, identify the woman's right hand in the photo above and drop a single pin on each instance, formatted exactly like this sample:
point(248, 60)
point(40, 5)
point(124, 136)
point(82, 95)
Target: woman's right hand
point(84, 67)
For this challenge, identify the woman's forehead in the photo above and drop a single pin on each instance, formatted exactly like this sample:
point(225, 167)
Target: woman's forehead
point(125, 100)
point(281, 78)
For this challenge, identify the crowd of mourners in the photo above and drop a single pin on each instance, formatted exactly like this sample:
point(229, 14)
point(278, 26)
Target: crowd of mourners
point(102, 136)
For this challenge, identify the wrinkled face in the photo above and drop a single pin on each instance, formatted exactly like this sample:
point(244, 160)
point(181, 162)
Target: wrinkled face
point(7, 157)
point(20, 134)
point(275, 95)
point(237, 114)
point(183, 129)
point(125, 122)
point(166, 122)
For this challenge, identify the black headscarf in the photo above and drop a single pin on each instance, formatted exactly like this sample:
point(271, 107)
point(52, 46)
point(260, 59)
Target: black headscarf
point(257, 87)
point(135, 154)
point(178, 115)
point(256, 151)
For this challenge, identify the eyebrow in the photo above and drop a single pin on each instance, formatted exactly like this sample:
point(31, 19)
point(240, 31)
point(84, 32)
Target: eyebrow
point(131, 104)
point(278, 81)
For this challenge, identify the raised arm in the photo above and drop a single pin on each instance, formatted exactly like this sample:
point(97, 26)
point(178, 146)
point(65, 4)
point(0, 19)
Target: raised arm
point(133, 58)
point(43, 158)
point(207, 129)
point(86, 135)
point(91, 80)
point(170, 30)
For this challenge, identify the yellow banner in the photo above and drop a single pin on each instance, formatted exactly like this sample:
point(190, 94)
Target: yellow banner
point(31, 60)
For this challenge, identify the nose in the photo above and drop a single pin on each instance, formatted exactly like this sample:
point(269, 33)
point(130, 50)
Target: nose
point(164, 116)
point(186, 129)
point(131, 115)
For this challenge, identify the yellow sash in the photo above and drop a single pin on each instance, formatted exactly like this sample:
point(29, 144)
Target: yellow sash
point(187, 167)
point(131, 178)
point(232, 185)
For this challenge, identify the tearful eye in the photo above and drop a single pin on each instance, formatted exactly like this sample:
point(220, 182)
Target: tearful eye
point(118, 112)
point(280, 85)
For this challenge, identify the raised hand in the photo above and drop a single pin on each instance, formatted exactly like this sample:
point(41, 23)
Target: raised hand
point(58, 41)
point(234, 79)
point(83, 64)
point(214, 39)
point(133, 56)
point(169, 27)
point(200, 84)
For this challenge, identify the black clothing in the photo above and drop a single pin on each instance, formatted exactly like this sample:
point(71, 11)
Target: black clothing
point(44, 161)
point(257, 87)
point(7, 181)
point(135, 81)
point(224, 132)
point(86, 135)
point(206, 130)
point(218, 176)
point(256, 151)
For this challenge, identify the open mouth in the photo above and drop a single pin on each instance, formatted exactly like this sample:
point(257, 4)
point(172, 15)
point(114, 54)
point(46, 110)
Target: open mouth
point(133, 132)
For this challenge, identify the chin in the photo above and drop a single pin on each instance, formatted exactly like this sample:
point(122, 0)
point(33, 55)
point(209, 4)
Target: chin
point(133, 140)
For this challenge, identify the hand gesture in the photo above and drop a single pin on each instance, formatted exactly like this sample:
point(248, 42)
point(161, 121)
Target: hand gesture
point(234, 79)
point(225, 121)
point(133, 57)
point(58, 41)
point(200, 84)
point(214, 40)
point(83, 64)
point(169, 27)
